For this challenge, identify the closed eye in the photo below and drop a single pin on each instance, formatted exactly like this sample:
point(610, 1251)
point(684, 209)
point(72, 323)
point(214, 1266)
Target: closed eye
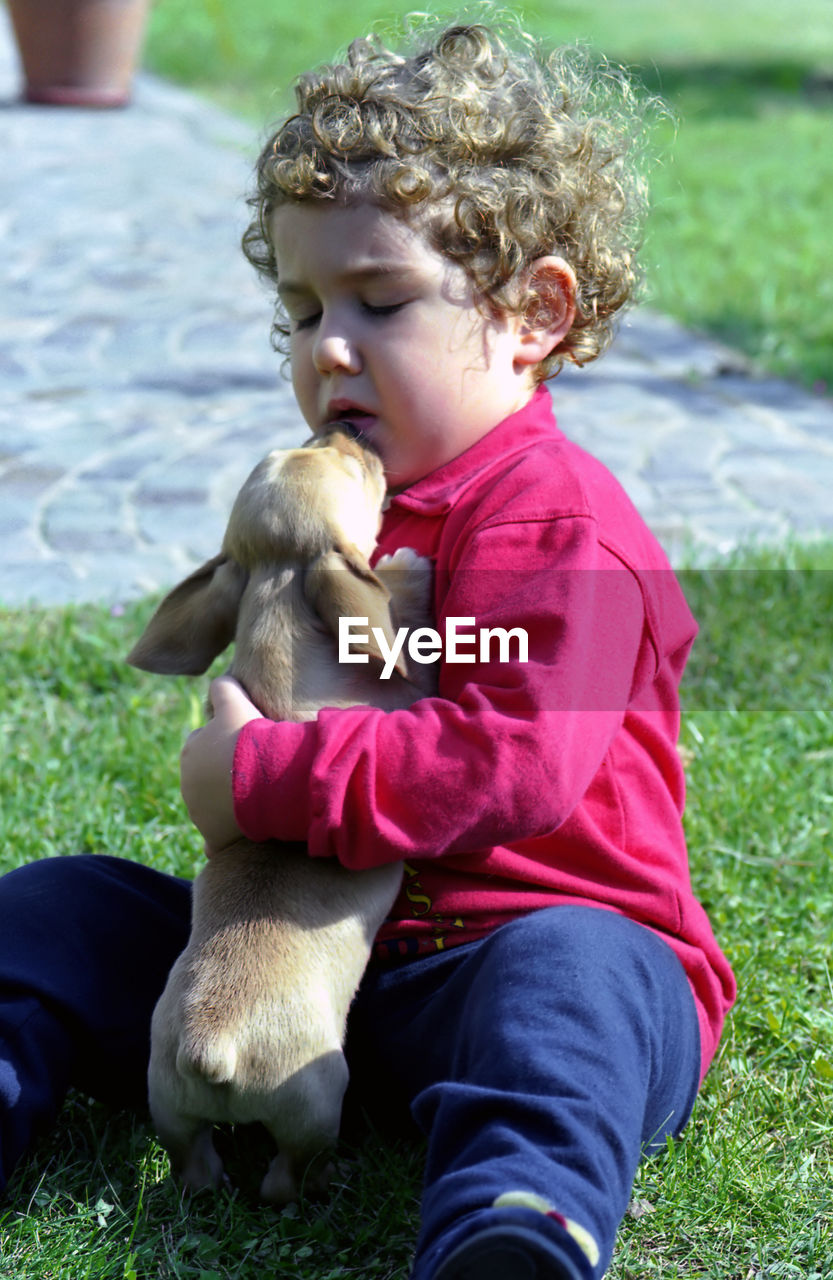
point(306, 322)
point(369, 308)
point(388, 310)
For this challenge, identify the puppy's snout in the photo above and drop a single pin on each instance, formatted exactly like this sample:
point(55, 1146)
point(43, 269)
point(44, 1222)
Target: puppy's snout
point(344, 433)
point(351, 446)
point(349, 428)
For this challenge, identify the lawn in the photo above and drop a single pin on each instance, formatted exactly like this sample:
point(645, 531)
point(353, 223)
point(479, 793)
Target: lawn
point(738, 245)
point(738, 241)
point(747, 1194)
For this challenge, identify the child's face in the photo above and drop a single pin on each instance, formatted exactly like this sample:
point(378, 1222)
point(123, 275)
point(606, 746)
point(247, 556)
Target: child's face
point(385, 332)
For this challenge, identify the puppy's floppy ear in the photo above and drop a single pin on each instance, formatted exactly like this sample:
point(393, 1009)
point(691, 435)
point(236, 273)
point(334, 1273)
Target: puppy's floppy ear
point(194, 622)
point(341, 584)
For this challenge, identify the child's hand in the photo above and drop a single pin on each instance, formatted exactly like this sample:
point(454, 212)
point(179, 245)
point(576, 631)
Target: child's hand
point(206, 762)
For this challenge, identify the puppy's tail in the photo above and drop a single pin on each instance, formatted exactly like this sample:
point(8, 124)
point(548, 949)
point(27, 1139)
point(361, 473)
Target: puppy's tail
point(212, 1058)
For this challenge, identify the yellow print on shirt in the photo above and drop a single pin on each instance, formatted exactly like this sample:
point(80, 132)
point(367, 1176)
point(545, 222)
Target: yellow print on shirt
point(421, 903)
point(414, 891)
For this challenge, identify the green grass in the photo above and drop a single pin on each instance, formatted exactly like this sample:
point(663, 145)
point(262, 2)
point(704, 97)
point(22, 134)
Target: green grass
point(747, 1194)
point(738, 243)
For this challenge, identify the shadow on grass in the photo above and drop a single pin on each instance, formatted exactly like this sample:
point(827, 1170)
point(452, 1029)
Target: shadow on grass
point(770, 349)
point(95, 1199)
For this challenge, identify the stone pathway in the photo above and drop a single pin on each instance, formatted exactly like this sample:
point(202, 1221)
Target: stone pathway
point(138, 386)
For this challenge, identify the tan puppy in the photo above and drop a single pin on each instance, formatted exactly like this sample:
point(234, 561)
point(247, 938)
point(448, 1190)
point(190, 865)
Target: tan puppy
point(251, 1024)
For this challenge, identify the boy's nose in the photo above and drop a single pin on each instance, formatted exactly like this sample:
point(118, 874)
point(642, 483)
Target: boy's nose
point(335, 351)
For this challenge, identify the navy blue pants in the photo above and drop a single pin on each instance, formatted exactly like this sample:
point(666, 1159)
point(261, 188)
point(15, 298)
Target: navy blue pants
point(542, 1061)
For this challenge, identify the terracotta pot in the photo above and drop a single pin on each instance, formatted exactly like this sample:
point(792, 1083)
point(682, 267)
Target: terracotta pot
point(78, 52)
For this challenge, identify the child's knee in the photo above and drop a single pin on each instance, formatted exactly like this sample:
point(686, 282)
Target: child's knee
point(588, 955)
point(563, 936)
point(42, 886)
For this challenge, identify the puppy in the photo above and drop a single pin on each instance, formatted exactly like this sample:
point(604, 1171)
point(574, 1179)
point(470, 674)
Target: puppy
point(251, 1023)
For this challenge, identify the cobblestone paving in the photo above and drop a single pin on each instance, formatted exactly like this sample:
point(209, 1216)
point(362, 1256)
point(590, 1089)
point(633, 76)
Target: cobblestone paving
point(138, 386)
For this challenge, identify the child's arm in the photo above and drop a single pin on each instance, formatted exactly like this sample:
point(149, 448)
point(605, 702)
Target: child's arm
point(506, 752)
point(206, 764)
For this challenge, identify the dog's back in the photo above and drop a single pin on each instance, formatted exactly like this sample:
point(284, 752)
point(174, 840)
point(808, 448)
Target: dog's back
point(251, 1023)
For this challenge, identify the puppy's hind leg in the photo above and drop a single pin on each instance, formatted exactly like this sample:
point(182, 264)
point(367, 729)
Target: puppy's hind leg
point(203, 1168)
point(304, 1124)
point(289, 1177)
point(190, 1144)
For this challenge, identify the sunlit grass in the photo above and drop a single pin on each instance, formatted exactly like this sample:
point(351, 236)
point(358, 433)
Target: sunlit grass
point(738, 244)
point(91, 749)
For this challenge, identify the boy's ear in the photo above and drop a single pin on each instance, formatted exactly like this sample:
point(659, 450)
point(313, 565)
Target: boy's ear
point(550, 318)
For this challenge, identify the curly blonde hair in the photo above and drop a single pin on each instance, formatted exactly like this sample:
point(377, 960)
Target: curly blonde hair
point(502, 155)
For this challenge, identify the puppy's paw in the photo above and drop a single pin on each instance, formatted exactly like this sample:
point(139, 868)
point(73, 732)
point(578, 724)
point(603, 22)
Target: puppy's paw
point(403, 558)
point(407, 575)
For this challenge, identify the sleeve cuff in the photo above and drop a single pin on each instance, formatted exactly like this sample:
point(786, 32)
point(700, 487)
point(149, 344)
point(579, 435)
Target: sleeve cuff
point(271, 779)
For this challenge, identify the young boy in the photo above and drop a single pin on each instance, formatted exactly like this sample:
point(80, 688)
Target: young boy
point(444, 229)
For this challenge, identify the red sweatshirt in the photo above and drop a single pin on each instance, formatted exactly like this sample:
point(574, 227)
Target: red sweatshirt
point(523, 784)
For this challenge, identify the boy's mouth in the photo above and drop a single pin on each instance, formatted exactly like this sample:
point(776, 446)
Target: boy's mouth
point(355, 420)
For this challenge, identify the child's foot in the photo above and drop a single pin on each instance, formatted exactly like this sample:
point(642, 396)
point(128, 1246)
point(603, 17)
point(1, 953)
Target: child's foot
point(515, 1250)
point(508, 1252)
